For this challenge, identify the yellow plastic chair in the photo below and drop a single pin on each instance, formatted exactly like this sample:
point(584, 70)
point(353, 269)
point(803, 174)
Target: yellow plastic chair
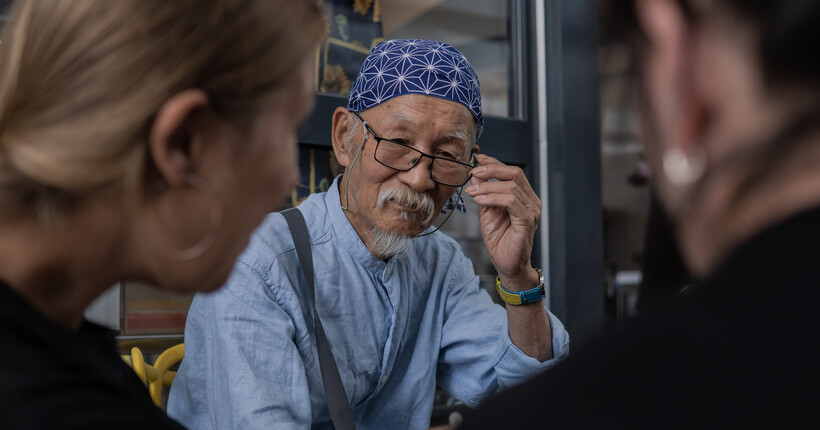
point(158, 375)
point(165, 376)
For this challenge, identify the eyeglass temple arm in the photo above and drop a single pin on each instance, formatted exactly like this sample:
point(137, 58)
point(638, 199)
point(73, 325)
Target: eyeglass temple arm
point(348, 173)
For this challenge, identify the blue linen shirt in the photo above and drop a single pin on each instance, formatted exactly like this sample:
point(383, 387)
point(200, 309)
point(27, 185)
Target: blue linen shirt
point(396, 328)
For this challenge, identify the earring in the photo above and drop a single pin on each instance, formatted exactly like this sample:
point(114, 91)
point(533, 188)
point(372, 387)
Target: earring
point(681, 168)
point(214, 223)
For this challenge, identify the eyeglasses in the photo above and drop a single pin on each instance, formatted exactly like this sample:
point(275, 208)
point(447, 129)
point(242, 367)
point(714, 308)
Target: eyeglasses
point(398, 156)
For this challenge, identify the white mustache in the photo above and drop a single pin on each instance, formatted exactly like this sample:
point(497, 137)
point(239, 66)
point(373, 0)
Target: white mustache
point(421, 203)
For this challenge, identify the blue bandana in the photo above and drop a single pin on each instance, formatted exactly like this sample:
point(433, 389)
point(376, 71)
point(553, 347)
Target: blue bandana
point(412, 66)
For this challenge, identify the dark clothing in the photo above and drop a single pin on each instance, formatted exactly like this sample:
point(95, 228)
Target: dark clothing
point(664, 274)
point(740, 350)
point(52, 377)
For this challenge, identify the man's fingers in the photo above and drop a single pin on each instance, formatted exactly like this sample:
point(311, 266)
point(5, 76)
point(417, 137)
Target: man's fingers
point(513, 205)
point(490, 168)
point(503, 187)
point(524, 193)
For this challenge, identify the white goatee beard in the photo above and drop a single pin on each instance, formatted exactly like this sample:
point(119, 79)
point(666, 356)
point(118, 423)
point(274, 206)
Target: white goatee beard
point(386, 244)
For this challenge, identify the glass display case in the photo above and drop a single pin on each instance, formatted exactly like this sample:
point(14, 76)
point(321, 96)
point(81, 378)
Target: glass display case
point(479, 29)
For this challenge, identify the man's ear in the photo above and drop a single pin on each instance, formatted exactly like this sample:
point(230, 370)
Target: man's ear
point(667, 71)
point(341, 123)
point(173, 142)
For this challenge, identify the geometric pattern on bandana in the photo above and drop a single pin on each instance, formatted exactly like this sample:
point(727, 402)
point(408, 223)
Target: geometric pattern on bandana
point(412, 66)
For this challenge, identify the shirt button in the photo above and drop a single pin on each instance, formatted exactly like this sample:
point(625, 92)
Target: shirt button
point(384, 379)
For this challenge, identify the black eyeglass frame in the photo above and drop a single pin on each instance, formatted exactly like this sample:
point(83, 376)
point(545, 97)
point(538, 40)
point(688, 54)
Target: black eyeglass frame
point(431, 157)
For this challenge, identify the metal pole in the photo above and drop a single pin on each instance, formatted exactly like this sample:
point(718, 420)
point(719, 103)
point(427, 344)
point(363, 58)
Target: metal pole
point(541, 121)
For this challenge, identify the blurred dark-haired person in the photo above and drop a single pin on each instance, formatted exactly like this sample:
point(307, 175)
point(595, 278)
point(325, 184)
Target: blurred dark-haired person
point(137, 142)
point(731, 103)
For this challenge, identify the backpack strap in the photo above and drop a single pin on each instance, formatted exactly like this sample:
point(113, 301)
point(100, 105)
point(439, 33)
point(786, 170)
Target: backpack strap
point(337, 401)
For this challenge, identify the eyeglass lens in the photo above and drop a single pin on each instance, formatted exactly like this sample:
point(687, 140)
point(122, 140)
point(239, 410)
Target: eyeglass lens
point(402, 157)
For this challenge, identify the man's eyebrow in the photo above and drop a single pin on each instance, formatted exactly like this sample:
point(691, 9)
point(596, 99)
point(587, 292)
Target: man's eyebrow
point(455, 135)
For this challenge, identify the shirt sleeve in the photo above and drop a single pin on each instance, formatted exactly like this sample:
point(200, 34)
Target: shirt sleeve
point(477, 357)
point(242, 369)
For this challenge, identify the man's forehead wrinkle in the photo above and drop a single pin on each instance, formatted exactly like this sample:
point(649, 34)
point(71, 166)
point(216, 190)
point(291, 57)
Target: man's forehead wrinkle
point(397, 115)
point(399, 120)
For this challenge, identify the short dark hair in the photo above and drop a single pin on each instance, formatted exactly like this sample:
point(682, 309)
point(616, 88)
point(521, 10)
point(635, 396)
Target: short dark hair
point(786, 34)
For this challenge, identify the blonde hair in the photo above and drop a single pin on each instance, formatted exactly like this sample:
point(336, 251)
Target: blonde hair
point(81, 80)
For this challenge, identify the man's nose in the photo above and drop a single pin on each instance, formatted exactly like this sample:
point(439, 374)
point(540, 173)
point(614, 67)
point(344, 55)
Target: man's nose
point(419, 177)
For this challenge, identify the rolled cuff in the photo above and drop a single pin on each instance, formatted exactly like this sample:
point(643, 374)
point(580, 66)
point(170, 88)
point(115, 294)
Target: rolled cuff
point(515, 367)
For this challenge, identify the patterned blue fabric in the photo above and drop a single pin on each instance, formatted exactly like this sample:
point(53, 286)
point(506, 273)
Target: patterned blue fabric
point(455, 202)
point(411, 66)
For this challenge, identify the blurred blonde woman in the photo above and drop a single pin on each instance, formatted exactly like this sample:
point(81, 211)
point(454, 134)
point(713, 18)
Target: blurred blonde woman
point(139, 140)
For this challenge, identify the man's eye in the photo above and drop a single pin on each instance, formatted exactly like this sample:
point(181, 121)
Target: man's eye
point(445, 154)
point(401, 142)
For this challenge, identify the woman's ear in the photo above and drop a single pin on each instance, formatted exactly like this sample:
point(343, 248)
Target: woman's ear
point(174, 142)
point(342, 123)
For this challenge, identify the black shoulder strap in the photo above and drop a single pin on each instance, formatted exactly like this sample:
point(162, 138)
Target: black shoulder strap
point(337, 401)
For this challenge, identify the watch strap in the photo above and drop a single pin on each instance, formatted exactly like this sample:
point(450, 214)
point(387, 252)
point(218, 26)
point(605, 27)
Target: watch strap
point(521, 297)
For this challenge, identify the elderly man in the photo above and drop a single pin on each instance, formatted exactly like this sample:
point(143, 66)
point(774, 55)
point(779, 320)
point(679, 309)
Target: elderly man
point(400, 303)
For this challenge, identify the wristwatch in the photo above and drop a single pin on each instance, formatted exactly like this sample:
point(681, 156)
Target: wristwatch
point(522, 297)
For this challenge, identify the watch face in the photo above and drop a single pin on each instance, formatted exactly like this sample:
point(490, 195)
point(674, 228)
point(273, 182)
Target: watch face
point(540, 277)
